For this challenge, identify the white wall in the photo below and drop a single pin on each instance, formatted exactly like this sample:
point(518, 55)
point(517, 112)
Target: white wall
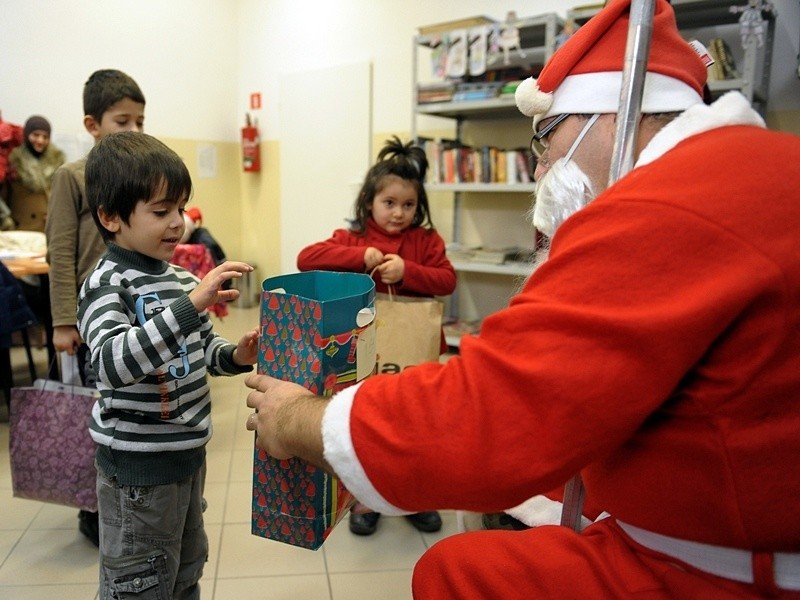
point(312, 205)
point(182, 53)
point(278, 36)
point(197, 61)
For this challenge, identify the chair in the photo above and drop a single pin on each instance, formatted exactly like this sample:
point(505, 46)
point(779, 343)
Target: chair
point(15, 315)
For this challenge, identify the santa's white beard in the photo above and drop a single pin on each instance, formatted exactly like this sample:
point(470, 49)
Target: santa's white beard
point(563, 191)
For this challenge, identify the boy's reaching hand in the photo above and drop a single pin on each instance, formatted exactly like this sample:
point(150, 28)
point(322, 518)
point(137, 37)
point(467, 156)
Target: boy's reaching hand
point(209, 291)
point(246, 352)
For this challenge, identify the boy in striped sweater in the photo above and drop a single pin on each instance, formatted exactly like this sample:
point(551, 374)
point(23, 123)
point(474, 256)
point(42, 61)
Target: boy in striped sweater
point(151, 344)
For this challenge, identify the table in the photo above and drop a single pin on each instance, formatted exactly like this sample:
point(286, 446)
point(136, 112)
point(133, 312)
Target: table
point(25, 265)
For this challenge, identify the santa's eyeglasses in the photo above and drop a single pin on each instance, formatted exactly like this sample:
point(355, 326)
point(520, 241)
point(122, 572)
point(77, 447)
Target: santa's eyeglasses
point(539, 142)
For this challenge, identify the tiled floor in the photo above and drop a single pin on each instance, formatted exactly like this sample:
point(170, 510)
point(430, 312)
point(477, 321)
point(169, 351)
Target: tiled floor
point(43, 556)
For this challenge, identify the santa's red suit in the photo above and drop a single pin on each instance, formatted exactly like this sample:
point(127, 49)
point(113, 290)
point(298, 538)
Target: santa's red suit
point(657, 350)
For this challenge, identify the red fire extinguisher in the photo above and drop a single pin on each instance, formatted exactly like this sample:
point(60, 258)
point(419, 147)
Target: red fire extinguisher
point(251, 147)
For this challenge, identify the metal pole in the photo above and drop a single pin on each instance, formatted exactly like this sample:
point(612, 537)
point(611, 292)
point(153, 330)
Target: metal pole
point(637, 50)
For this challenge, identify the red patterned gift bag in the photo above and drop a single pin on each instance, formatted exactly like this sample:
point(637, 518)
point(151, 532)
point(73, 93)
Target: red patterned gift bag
point(317, 329)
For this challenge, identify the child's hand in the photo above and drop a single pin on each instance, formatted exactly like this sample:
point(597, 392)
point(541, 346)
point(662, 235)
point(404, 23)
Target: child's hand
point(392, 269)
point(209, 291)
point(246, 352)
point(372, 258)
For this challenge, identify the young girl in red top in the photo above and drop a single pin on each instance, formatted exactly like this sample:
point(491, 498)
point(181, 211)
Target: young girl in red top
point(393, 238)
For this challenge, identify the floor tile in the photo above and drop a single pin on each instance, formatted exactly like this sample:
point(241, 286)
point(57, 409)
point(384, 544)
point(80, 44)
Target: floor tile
point(241, 469)
point(42, 592)
point(8, 540)
point(216, 495)
point(50, 557)
point(42, 554)
point(392, 585)
point(214, 533)
point(245, 555)
point(305, 587)
point(239, 502)
point(396, 545)
point(18, 513)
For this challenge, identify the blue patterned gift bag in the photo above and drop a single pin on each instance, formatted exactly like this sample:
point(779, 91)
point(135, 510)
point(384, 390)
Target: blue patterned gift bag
point(317, 330)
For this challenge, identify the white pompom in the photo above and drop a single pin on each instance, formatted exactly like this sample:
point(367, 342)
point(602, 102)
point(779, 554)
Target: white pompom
point(531, 100)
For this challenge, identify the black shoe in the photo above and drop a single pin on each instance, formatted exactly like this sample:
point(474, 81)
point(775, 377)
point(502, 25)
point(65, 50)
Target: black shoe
point(89, 526)
point(426, 521)
point(502, 520)
point(364, 524)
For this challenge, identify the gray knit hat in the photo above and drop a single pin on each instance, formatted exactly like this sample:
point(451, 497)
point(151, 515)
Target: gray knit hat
point(36, 123)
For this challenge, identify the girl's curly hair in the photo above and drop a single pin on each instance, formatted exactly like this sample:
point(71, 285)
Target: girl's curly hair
point(406, 161)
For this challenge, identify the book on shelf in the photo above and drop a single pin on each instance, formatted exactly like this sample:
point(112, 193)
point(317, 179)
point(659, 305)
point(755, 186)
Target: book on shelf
point(509, 88)
point(495, 256)
point(501, 173)
point(725, 55)
point(439, 91)
point(457, 251)
point(452, 162)
point(481, 90)
point(466, 164)
point(724, 66)
point(524, 160)
point(511, 166)
point(490, 256)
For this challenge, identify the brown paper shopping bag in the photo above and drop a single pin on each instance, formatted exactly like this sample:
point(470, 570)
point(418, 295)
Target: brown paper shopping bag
point(408, 330)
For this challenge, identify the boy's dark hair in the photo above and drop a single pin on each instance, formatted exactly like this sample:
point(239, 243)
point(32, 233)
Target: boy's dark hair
point(406, 161)
point(105, 88)
point(125, 168)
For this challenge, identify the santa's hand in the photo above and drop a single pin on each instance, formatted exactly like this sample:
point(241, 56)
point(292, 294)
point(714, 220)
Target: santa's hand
point(287, 419)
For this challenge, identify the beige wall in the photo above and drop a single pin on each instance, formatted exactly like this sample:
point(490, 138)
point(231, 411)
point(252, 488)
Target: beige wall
point(260, 212)
point(241, 210)
point(786, 120)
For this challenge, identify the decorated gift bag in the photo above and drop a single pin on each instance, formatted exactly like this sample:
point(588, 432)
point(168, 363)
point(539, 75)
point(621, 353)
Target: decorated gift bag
point(408, 331)
point(317, 330)
point(52, 453)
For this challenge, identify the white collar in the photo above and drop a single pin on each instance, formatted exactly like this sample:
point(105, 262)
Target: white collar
point(730, 109)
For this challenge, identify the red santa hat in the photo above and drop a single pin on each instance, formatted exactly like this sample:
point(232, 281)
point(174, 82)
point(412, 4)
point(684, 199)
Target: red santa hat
point(584, 76)
point(195, 215)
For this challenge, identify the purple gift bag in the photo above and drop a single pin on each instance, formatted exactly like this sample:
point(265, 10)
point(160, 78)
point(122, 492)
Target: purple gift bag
point(52, 453)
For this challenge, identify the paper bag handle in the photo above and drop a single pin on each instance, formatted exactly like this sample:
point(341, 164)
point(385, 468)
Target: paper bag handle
point(390, 287)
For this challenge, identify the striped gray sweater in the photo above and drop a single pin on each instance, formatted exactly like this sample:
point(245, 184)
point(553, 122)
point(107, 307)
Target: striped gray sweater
point(150, 350)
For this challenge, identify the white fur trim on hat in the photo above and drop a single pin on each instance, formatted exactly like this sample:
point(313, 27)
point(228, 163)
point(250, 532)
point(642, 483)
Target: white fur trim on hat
point(590, 93)
point(530, 99)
